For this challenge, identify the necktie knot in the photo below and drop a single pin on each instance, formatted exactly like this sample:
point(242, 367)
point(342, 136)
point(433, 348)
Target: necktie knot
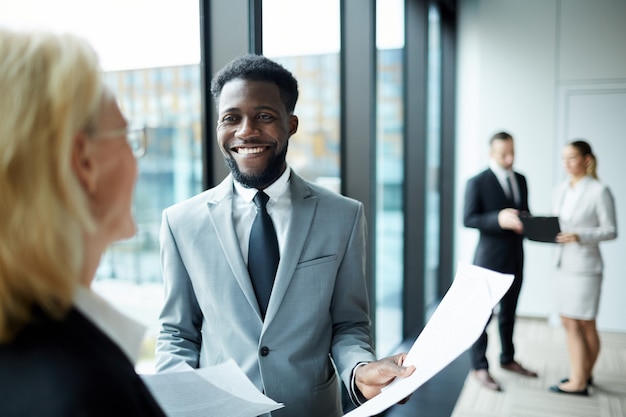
point(261, 199)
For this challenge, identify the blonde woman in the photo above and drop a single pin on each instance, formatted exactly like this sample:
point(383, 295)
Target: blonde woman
point(67, 174)
point(587, 215)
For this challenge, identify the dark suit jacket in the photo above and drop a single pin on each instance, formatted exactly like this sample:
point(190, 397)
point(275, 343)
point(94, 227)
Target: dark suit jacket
point(498, 249)
point(69, 368)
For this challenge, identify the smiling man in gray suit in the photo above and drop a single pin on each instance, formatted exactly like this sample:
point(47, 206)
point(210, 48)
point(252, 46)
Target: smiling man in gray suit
point(315, 324)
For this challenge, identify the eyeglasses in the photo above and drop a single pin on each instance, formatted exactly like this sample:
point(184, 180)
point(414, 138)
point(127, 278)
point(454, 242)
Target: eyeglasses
point(136, 138)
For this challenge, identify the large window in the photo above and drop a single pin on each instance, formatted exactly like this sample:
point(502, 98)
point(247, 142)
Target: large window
point(151, 55)
point(150, 52)
point(314, 60)
point(389, 175)
point(433, 164)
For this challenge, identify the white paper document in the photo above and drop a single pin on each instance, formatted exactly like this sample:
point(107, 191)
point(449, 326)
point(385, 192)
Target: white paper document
point(221, 390)
point(455, 325)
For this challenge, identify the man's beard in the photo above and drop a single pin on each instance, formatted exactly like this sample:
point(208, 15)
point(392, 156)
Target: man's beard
point(259, 181)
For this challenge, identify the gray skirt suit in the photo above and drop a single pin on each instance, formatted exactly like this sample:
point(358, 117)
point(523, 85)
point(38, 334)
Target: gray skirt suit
point(587, 209)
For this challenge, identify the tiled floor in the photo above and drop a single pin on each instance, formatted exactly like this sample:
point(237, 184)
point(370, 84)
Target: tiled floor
point(541, 347)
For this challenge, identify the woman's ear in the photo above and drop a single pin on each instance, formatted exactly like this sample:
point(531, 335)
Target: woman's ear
point(82, 162)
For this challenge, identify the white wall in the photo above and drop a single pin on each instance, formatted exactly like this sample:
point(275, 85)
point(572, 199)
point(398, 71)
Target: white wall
point(547, 71)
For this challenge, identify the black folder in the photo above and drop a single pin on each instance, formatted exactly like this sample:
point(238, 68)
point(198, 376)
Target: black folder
point(541, 228)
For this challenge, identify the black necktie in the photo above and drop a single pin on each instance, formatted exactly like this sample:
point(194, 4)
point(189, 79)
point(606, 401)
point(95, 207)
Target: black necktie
point(511, 194)
point(263, 255)
point(510, 188)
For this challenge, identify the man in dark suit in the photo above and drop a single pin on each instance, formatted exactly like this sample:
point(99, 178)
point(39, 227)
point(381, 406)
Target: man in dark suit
point(494, 200)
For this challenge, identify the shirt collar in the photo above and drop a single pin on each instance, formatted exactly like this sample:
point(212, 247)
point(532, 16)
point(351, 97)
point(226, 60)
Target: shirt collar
point(274, 191)
point(498, 170)
point(124, 331)
point(581, 183)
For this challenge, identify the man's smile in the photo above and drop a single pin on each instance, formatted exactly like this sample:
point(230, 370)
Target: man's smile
point(249, 151)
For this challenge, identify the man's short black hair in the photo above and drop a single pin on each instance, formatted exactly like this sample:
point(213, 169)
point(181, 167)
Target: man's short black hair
point(258, 68)
point(500, 136)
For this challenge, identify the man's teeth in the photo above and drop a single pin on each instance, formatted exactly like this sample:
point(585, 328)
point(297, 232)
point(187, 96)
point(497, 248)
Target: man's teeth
point(248, 151)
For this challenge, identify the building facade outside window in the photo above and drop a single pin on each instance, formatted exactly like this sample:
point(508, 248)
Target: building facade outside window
point(314, 151)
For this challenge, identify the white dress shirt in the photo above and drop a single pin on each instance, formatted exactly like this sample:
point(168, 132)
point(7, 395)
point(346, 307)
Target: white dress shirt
point(124, 331)
point(570, 199)
point(502, 174)
point(278, 207)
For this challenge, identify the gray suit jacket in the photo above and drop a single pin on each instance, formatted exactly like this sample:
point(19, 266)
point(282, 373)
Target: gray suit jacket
point(318, 309)
point(593, 220)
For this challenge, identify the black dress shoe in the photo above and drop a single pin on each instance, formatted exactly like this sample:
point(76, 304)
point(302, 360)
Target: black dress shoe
point(583, 392)
point(518, 369)
point(486, 380)
point(589, 381)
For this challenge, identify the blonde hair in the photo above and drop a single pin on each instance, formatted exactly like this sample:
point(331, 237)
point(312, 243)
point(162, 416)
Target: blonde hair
point(51, 89)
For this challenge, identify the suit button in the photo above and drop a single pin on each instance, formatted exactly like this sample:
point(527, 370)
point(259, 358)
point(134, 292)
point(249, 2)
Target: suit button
point(265, 351)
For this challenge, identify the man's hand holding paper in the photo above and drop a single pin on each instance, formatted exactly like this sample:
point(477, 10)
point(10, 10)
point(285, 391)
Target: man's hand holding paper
point(454, 326)
point(373, 377)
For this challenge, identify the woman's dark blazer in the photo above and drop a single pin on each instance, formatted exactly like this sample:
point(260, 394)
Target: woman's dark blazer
point(69, 368)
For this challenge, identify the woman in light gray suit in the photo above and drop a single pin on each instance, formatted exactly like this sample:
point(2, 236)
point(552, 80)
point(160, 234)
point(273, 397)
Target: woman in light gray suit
point(587, 215)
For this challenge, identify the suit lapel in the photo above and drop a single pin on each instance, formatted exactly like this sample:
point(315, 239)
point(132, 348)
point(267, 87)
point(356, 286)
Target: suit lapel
point(220, 212)
point(495, 184)
point(303, 205)
point(581, 201)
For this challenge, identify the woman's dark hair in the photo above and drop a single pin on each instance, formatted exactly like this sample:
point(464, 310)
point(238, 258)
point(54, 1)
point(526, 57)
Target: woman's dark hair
point(585, 149)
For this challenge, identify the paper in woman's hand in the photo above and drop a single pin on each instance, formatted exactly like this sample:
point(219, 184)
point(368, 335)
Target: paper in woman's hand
point(221, 390)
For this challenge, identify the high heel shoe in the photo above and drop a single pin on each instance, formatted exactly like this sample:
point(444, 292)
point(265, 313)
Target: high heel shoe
point(583, 392)
point(589, 381)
